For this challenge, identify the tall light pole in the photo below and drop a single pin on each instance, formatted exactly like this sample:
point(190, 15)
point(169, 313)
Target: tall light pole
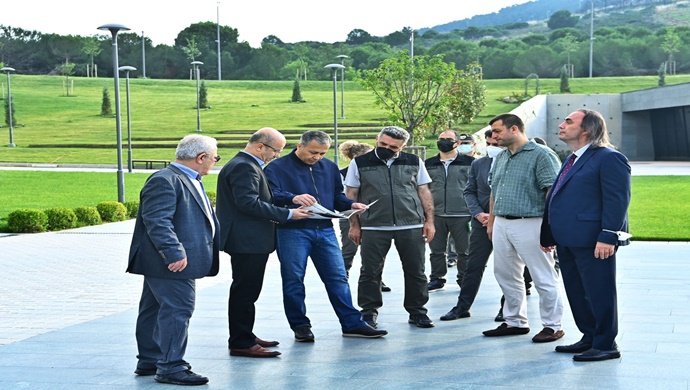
point(114, 29)
point(196, 65)
point(128, 69)
point(143, 55)
point(591, 39)
point(335, 68)
point(342, 85)
point(9, 70)
point(218, 36)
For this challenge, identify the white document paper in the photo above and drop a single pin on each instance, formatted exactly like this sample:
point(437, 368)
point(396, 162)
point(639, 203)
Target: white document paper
point(320, 212)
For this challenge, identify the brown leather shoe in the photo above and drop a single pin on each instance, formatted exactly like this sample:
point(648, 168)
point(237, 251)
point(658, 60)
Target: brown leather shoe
point(547, 335)
point(266, 343)
point(255, 351)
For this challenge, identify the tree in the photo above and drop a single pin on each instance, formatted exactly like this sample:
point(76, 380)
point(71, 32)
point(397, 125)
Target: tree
point(191, 49)
point(296, 92)
point(670, 46)
point(409, 88)
point(67, 69)
point(565, 79)
point(465, 99)
point(106, 108)
point(203, 96)
point(358, 36)
point(272, 40)
point(91, 47)
point(561, 19)
point(662, 75)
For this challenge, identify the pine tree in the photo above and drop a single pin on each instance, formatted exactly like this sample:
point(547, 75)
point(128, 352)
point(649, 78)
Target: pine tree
point(203, 96)
point(296, 92)
point(106, 109)
point(565, 80)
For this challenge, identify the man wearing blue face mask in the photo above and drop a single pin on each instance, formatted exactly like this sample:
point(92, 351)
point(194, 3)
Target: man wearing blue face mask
point(403, 213)
point(449, 171)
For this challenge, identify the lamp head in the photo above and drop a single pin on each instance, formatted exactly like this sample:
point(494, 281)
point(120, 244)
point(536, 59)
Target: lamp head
point(127, 68)
point(7, 69)
point(334, 66)
point(197, 63)
point(114, 28)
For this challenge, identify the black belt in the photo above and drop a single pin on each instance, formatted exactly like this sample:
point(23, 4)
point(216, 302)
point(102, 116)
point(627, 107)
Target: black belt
point(514, 217)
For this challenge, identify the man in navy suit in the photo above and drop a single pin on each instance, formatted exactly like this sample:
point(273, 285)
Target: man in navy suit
point(175, 241)
point(586, 219)
point(247, 232)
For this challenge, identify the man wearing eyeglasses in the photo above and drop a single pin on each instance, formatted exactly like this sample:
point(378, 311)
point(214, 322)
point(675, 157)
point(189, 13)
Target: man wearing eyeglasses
point(247, 233)
point(175, 241)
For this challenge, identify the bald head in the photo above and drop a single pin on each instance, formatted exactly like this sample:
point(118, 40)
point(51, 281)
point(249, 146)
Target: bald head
point(266, 144)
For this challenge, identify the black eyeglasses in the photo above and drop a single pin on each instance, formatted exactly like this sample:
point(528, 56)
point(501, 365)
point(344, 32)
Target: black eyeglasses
point(272, 148)
point(215, 159)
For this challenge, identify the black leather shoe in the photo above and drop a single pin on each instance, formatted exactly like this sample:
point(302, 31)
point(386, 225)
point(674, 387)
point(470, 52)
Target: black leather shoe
point(186, 377)
point(385, 288)
point(370, 319)
point(304, 334)
point(455, 314)
point(365, 331)
point(578, 347)
point(505, 330)
point(595, 355)
point(499, 316)
point(145, 371)
point(421, 321)
point(436, 284)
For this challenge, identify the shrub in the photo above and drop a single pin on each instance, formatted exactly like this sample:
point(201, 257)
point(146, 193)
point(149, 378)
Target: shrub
point(106, 108)
point(87, 216)
point(61, 218)
point(212, 197)
point(27, 221)
point(112, 211)
point(132, 208)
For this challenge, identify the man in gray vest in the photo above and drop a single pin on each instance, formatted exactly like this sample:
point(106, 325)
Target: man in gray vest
point(403, 212)
point(449, 171)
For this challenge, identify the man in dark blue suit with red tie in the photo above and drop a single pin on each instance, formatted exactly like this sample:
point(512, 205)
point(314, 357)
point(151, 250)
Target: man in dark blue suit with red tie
point(586, 220)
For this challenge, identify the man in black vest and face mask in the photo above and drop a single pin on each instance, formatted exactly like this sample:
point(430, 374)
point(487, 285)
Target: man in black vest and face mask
point(403, 212)
point(449, 171)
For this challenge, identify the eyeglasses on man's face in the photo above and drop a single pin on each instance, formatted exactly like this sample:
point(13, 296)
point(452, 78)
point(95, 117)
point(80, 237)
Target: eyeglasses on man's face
point(215, 158)
point(272, 148)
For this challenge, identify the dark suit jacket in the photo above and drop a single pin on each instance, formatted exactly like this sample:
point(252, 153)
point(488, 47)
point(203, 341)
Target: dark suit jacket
point(594, 198)
point(171, 225)
point(243, 203)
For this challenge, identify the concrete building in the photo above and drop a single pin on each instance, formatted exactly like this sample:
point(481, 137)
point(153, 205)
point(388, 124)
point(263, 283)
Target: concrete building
point(647, 125)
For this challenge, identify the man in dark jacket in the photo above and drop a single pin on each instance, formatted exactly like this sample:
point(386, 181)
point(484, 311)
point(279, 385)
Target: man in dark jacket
point(175, 241)
point(247, 230)
point(302, 179)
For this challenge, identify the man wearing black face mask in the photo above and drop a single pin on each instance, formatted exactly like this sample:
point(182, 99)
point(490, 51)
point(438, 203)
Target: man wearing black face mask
point(404, 213)
point(449, 171)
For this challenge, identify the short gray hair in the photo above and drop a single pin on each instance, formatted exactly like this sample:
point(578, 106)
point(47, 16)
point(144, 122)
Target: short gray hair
point(193, 145)
point(395, 132)
point(320, 137)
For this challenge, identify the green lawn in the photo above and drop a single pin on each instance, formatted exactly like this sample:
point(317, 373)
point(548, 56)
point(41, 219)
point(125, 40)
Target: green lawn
point(650, 218)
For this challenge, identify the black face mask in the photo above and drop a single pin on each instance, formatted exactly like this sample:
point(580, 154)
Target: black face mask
point(445, 145)
point(384, 153)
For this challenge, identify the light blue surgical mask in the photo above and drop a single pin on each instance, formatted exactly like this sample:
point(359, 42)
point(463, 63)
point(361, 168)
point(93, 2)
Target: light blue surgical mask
point(465, 149)
point(493, 151)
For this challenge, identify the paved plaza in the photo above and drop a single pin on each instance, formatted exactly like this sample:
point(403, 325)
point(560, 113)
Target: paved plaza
point(67, 314)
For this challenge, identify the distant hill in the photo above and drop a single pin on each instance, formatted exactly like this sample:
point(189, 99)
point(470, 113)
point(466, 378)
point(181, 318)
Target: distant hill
point(541, 10)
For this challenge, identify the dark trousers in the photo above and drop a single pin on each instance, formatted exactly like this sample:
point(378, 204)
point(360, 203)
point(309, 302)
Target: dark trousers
point(590, 285)
point(348, 247)
point(410, 246)
point(480, 250)
point(165, 308)
point(447, 227)
point(247, 280)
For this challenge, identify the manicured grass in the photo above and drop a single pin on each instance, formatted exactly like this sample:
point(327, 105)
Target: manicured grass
point(57, 129)
point(650, 217)
point(659, 209)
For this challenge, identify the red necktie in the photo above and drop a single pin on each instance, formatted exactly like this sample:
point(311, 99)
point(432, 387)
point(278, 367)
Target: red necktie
point(564, 172)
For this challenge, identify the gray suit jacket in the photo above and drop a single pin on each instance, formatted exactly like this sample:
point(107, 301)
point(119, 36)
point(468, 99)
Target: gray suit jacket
point(244, 207)
point(171, 225)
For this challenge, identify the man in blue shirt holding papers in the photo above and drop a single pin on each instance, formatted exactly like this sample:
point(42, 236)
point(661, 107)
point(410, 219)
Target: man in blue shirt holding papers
point(303, 179)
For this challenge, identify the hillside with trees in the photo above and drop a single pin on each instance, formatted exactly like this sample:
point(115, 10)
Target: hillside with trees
point(631, 37)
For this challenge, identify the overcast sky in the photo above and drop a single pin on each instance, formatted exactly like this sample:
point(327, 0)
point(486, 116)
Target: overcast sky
point(291, 21)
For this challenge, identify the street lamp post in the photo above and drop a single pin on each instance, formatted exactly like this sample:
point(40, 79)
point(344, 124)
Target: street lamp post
point(128, 69)
point(143, 55)
point(342, 85)
point(335, 68)
point(218, 36)
point(9, 70)
point(114, 29)
point(591, 39)
point(196, 65)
